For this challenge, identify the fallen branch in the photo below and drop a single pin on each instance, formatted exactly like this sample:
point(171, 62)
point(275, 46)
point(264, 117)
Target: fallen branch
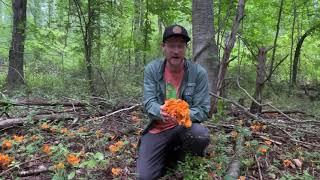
point(286, 112)
point(238, 105)
point(115, 112)
point(32, 172)
point(234, 166)
point(16, 121)
point(44, 103)
point(298, 141)
point(259, 169)
point(268, 104)
point(268, 139)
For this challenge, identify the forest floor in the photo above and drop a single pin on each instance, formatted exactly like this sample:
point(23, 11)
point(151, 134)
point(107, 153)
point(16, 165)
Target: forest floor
point(76, 140)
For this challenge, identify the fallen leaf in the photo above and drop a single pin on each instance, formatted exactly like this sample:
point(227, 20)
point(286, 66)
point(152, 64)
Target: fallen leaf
point(64, 131)
point(99, 133)
point(234, 134)
point(268, 142)
point(34, 137)
point(242, 178)
point(135, 119)
point(44, 126)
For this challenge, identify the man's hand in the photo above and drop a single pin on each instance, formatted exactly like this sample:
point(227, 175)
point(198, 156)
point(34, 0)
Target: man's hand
point(165, 116)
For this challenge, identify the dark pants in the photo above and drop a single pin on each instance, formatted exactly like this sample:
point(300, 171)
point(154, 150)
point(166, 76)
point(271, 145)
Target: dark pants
point(156, 151)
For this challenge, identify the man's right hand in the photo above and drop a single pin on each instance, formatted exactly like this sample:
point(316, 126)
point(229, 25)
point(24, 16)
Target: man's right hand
point(165, 116)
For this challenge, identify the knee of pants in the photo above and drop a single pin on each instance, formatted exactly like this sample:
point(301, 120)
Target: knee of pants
point(148, 175)
point(198, 131)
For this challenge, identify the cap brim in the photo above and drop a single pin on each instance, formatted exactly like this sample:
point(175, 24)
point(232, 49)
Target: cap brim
point(187, 38)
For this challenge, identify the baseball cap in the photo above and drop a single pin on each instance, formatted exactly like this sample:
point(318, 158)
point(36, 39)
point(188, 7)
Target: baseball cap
point(175, 30)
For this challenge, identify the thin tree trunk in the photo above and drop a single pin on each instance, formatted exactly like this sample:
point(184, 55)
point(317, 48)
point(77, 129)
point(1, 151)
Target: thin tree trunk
point(88, 45)
point(292, 40)
point(275, 40)
point(261, 75)
point(145, 30)
point(298, 51)
point(50, 12)
point(87, 29)
point(138, 34)
point(226, 55)
point(15, 76)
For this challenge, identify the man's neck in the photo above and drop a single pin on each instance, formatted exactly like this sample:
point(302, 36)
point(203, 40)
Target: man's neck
point(175, 69)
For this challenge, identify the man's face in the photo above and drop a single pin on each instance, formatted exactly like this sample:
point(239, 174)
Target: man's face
point(174, 49)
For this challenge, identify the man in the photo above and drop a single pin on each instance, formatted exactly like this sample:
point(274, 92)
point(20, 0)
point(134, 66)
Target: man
point(164, 141)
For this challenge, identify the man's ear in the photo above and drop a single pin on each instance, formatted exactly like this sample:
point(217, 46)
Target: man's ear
point(162, 46)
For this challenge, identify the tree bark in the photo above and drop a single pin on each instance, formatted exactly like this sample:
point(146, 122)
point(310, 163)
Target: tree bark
point(138, 34)
point(88, 29)
point(16, 121)
point(261, 75)
point(292, 39)
point(275, 40)
point(298, 51)
point(226, 55)
point(15, 76)
point(204, 48)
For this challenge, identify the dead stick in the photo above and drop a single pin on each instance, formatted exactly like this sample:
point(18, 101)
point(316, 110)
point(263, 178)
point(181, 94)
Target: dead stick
point(260, 175)
point(268, 139)
point(278, 110)
point(115, 112)
point(298, 141)
point(33, 172)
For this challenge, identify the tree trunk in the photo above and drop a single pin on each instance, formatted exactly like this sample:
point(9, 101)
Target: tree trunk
point(147, 26)
point(297, 53)
point(204, 48)
point(50, 12)
point(275, 40)
point(87, 29)
point(292, 39)
point(88, 41)
point(261, 75)
point(15, 76)
point(138, 34)
point(226, 55)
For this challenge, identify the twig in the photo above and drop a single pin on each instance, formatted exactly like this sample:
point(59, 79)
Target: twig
point(297, 121)
point(33, 172)
point(268, 139)
point(260, 175)
point(8, 170)
point(115, 112)
point(238, 105)
point(298, 141)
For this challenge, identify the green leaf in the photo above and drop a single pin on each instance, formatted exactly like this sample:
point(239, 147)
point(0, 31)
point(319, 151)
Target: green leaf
point(92, 163)
point(99, 156)
point(72, 175)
